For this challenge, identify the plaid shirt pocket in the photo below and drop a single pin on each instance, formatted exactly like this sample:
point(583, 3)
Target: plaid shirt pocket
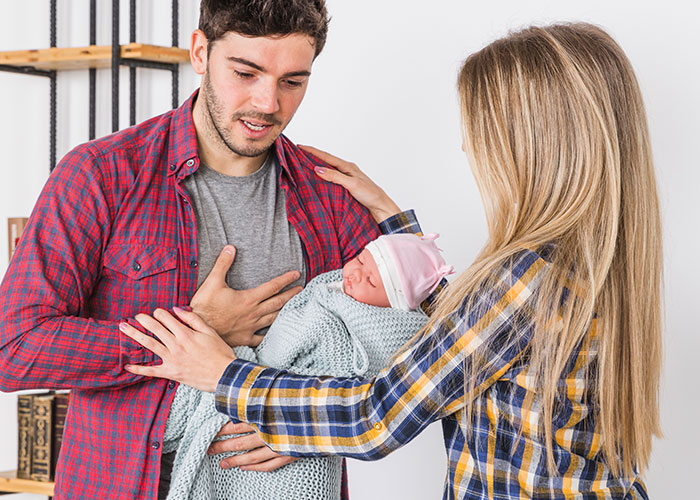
point(139, 277)
point(140, 261)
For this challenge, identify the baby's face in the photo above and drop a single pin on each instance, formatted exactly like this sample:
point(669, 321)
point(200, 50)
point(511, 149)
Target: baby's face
point(362, 282)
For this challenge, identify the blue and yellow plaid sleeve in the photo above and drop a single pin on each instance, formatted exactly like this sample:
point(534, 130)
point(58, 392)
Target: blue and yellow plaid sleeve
point(403, 222)
point(367, 419)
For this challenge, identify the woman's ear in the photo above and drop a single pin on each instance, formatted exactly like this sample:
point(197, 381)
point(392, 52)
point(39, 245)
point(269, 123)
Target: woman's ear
point(199, 49)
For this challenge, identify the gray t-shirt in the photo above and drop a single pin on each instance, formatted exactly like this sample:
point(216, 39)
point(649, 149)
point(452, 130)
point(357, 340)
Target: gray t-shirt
point(249, 213)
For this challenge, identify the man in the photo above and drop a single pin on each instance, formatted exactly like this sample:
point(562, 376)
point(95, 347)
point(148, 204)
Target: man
point(135, 220)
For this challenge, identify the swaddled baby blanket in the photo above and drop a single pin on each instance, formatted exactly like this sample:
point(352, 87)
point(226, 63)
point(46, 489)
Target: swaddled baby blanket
point(320, 331)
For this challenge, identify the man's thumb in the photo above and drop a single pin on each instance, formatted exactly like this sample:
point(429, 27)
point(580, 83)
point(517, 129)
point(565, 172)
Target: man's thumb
point(222, 265)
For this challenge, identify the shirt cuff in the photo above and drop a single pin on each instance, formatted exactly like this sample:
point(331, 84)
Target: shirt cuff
point(234, 388)
point(403, 222)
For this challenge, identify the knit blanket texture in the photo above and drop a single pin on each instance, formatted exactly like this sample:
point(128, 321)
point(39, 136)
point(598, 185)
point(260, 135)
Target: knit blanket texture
point(320, 331)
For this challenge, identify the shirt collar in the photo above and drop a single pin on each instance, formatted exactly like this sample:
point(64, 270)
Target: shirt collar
point(286, 153)
point(183, 158)
point(182, 155)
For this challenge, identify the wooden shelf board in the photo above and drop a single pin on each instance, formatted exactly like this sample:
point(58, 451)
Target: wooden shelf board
point(9, 483)
point(94, 56)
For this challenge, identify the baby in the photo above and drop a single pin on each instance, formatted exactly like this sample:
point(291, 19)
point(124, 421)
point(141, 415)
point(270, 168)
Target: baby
point(345, 323)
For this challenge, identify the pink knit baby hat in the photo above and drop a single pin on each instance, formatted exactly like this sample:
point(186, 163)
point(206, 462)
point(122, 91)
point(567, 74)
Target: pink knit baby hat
point(410, 266)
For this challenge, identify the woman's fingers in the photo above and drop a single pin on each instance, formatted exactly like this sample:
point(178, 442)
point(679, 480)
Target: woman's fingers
point(171, 324)
point(361, 187)
point(197, 360)
point(155, 327)
point(270, 465)
point(263, 459)
point(336, 177)
point(191, 319)
point(234, 428)
point(242, 443)
point(147, 371)
point(145, 340)
point(342, 165)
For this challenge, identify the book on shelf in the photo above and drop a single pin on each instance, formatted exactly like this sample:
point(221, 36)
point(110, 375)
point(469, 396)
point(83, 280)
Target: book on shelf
point(15, 227)
point(60, 408)
point(41, 419)
point(25, 428)
point(42, 413)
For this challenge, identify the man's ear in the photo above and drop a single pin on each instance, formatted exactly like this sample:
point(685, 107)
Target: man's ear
point(199, 52)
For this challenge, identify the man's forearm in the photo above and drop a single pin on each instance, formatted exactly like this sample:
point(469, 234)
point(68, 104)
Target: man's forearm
point(69, 353)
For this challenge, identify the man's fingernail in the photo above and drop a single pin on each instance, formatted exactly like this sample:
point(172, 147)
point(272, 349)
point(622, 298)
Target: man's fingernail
point(228, 250)
point(178, 310)
point(122, 327)
point(319, 170)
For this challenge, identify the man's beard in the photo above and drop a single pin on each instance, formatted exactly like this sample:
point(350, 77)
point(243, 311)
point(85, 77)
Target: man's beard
point(218, 123)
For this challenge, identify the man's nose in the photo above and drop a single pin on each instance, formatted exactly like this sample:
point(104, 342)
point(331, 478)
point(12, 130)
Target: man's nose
point(265, 99)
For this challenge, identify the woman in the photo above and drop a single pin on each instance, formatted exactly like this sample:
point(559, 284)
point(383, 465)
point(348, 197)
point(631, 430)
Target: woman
point(543, 358)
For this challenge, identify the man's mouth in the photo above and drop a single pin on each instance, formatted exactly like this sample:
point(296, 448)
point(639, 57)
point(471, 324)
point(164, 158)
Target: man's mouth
point(255, 127)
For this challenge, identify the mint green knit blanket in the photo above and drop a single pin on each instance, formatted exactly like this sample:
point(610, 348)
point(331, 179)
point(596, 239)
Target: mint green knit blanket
point(320, 331)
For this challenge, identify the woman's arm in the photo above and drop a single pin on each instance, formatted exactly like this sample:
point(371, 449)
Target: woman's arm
point(365, 419)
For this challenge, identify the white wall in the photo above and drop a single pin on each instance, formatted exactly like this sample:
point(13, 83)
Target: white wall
point(382, 95)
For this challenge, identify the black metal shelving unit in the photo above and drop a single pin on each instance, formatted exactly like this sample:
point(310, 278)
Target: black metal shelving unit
point(117, 62)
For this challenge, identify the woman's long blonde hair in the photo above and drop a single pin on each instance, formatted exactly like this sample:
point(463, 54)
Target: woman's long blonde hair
point(556, 135)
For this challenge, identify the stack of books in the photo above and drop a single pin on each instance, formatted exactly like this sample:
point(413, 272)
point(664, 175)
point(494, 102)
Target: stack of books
point(41, 419)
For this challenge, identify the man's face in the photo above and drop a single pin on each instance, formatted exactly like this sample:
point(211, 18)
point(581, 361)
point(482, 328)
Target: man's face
point(253, 86)
point(362, 281)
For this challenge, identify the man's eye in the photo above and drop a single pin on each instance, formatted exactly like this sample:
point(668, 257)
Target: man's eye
point(242, 74)
point(293, 83)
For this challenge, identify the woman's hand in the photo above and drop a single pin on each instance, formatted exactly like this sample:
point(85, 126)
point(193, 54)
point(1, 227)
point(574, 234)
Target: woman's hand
point(361, 187)
point(192, 352)
point(256, 455)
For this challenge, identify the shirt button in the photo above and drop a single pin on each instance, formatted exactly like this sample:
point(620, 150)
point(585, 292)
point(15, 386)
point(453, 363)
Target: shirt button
point(190, 163)
point(378, 426)
point(171, 385)
point(172, 167)
point(137, 266)
point(155, 445)
point(193, 264)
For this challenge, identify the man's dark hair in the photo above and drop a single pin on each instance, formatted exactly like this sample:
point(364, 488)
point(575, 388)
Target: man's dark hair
point(264, 18)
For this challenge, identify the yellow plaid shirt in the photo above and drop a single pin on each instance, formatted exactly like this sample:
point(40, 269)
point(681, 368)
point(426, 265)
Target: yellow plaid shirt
point(501, 455)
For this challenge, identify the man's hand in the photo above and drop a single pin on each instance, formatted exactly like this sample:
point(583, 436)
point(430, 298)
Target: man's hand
point(237, 314)
point(257, 456)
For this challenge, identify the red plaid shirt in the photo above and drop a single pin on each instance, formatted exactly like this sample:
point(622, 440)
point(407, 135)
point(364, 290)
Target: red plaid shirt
point(114, 234)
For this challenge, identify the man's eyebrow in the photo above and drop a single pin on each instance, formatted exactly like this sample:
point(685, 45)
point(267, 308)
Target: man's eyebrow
point(297, 73)
point(246, 62)
point(240, 60)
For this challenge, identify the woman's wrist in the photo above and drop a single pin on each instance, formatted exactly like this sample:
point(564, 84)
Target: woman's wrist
point(387, 208)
